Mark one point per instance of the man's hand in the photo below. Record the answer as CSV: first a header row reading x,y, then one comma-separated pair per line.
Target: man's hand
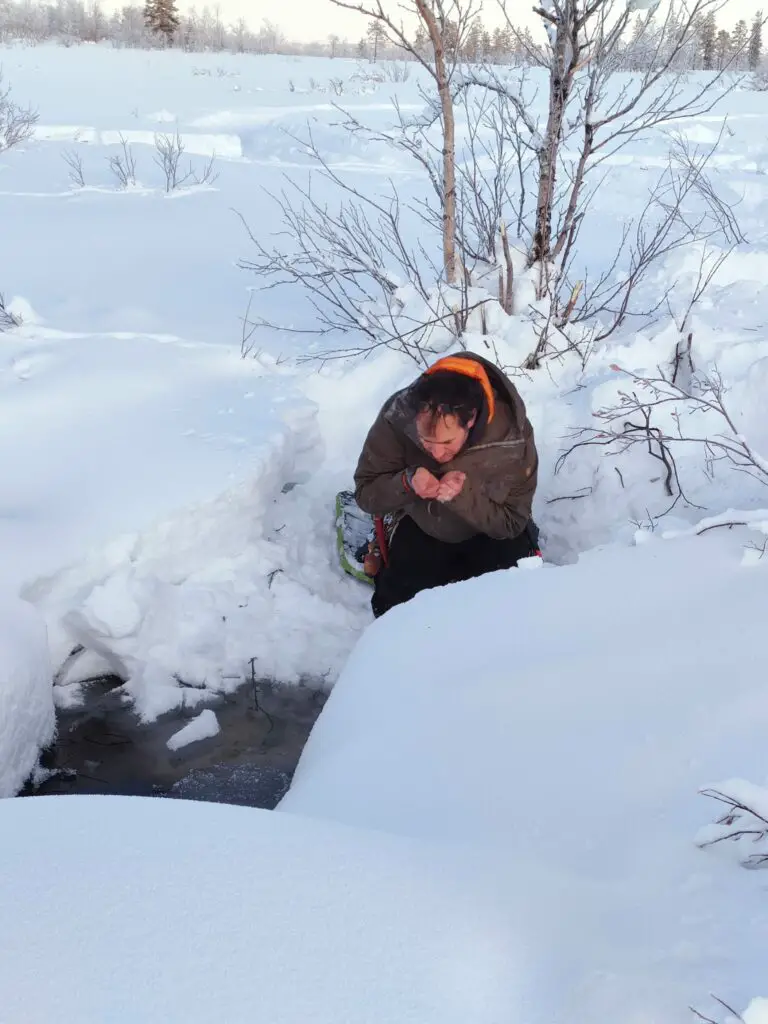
x,y
451,485
424,484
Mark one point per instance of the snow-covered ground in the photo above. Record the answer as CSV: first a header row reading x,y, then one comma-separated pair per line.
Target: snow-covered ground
x,y
143,503
534,740
560,723
26,699
234,914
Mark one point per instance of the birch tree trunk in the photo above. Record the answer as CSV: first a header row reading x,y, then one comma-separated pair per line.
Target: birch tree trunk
x,y
449,140
564,59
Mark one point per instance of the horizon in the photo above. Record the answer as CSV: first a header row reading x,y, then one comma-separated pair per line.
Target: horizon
x,y
320,19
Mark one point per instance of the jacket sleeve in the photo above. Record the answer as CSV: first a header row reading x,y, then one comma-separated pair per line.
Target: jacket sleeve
x,y
501,507
379,485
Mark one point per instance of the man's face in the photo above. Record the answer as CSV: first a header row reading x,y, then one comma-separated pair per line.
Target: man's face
x,y
442,437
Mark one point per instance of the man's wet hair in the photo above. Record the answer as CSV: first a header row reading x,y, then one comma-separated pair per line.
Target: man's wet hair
x,y
445,393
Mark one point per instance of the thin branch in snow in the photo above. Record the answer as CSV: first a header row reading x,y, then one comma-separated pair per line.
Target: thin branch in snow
x,y
17,124
123,164
733,1018
741,820
8,320
74,162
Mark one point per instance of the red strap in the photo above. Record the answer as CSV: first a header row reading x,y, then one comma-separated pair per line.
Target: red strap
x,y
381,537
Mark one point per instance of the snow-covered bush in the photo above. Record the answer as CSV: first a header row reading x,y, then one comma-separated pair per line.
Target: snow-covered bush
x,y
7,318
744,820
169,150
17,124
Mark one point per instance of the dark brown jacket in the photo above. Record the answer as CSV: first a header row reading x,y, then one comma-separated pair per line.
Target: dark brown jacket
x,y
499,459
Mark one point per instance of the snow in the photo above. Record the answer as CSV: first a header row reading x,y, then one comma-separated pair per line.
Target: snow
x,y
756,1012
561,724
509,772
201,727
234,914
158,525
26,696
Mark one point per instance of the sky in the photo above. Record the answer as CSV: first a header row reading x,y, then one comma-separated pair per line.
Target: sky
x,y
311,20
306,20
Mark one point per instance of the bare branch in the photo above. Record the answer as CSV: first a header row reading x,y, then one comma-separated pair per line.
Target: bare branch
x,y
74,162
620,429
8,320
17,124
123,165
738,822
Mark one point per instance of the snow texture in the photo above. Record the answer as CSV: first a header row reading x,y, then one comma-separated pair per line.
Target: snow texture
x,y
561,723
756,1012
509,770
147,501
26,693
235,914
201,727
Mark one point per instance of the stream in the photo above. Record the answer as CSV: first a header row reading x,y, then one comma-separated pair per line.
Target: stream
x,y
102,747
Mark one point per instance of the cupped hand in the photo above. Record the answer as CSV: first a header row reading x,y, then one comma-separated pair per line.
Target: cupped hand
x,y
425,484
451,485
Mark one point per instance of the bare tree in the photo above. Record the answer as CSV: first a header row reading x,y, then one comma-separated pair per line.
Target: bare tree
x,y
169,150
444,21
123,164
74,162
583,59
490,183
594,113
17,124
351,261
601,305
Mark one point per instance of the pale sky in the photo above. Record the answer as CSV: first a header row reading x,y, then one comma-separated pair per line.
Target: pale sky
x,y
312,20
306,20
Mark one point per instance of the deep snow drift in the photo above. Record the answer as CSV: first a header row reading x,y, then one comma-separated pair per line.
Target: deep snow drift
x,y
26,701
239,915
559,723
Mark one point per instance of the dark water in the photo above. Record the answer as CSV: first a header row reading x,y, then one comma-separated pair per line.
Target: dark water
x,y
103,748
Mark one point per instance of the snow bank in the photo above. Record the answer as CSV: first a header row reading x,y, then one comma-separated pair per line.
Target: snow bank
x,y
26,699
247,583
235,914
151,526
563,721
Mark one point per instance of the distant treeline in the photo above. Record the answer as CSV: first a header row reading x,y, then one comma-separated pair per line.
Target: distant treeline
x,y
158,23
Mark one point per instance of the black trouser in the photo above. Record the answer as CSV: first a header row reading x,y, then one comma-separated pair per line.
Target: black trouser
x,y
418,562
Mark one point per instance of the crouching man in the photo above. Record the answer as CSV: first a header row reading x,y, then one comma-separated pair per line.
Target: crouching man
x,y
453,458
